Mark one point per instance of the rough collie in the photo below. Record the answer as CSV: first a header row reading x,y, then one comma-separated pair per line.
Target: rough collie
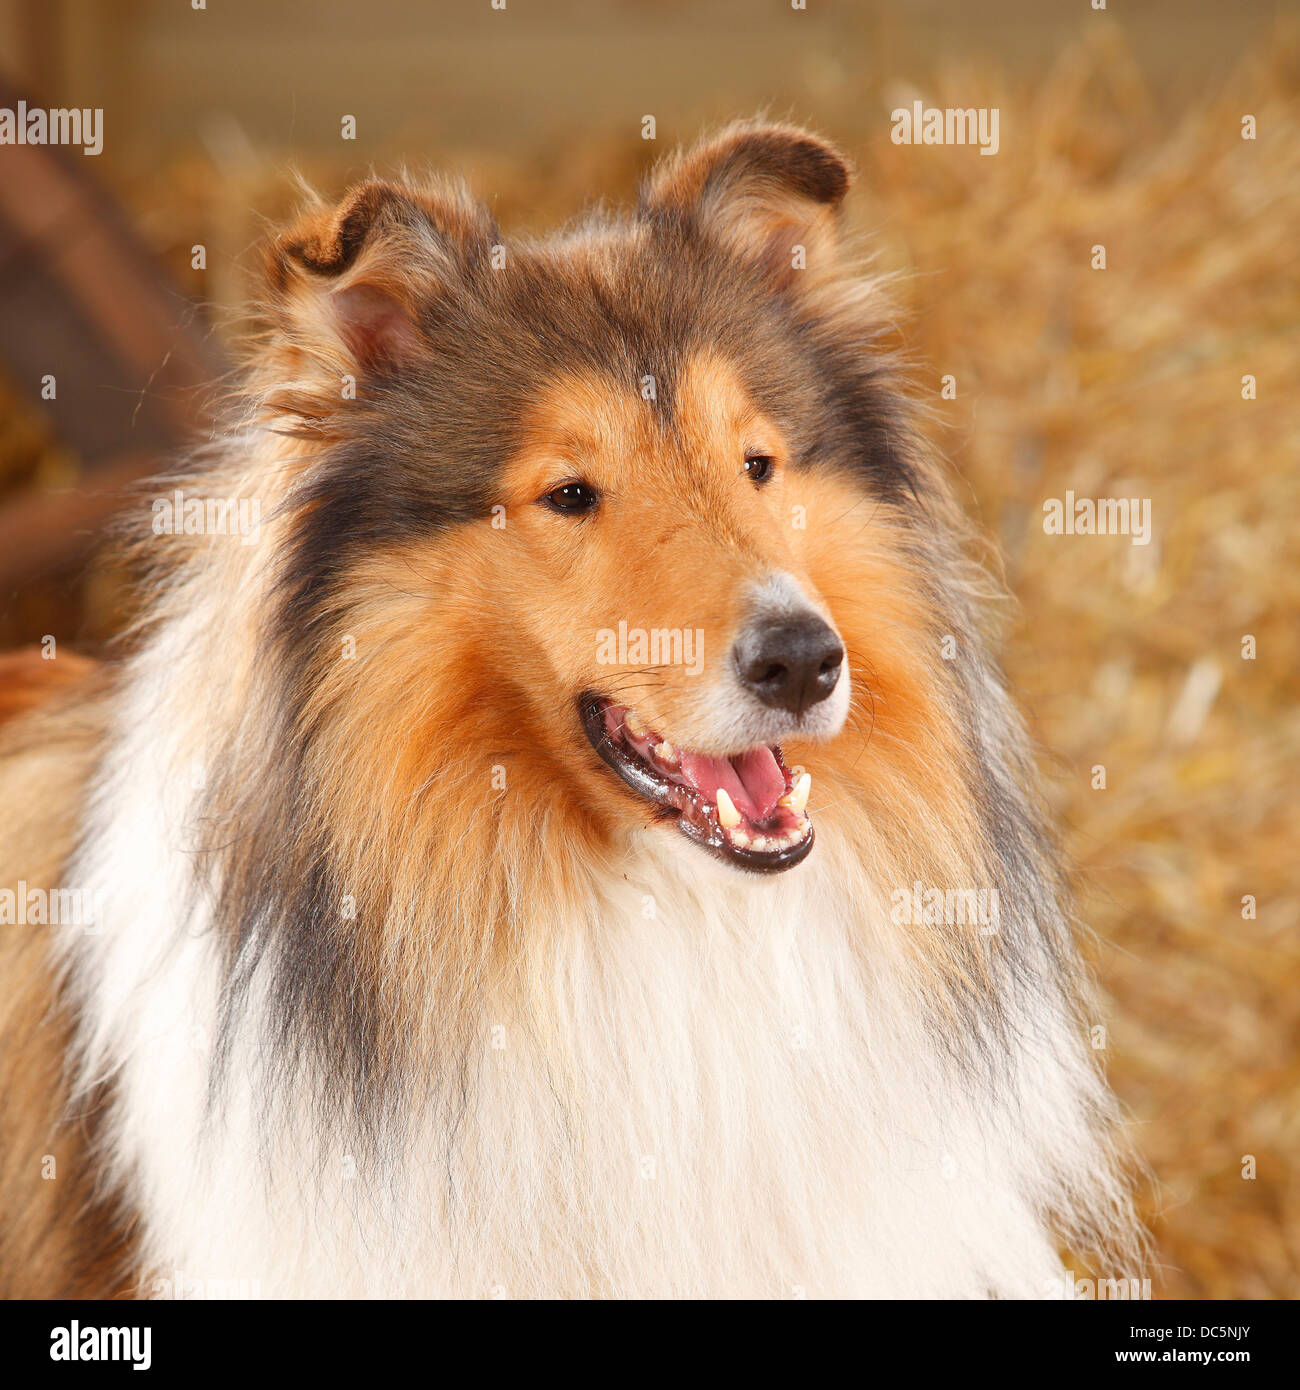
x,y
579,842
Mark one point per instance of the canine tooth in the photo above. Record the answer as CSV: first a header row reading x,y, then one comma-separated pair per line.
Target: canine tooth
x,y
797,800
728,816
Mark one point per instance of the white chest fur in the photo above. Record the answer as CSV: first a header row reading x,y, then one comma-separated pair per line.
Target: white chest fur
x,y
720,1086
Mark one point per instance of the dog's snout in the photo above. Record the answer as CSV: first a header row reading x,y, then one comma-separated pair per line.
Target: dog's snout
x,y
790,663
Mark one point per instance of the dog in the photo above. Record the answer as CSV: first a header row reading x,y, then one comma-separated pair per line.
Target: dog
x,y
582,845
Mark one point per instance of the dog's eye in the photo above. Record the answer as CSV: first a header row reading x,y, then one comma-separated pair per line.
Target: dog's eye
x,y
573,498
758,467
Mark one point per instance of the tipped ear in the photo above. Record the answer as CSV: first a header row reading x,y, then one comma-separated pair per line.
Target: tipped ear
x,y
351,282
763,191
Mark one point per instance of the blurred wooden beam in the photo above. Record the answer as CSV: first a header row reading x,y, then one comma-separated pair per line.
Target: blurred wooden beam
x,y
45,535
83,302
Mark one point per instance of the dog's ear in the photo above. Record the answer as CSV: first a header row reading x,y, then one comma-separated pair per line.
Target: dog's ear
x,y
769,193
350,283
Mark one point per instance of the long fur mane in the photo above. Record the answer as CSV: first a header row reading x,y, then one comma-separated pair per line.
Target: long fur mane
x,y
390,1004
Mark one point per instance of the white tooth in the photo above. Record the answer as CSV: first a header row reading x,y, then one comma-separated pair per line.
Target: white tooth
x,y
739,838
728,816
761,842
798,798
634,725
666,753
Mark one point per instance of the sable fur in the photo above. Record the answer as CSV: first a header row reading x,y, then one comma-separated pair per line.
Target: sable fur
x,y
64,1230
377,994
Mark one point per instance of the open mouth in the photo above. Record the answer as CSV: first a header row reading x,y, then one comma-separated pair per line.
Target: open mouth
x,y
748,809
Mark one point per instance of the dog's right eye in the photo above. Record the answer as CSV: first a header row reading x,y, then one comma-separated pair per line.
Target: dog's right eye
x,y
573,498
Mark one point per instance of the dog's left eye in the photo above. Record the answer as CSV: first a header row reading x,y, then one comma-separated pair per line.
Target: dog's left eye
x,y
758,467
573,498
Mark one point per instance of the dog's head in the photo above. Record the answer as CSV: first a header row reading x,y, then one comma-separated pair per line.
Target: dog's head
x,y
618,517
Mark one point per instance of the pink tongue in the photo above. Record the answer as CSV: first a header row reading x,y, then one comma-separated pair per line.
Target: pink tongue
x,y
754,781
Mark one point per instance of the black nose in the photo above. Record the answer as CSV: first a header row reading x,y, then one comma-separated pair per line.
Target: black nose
x,y
789,663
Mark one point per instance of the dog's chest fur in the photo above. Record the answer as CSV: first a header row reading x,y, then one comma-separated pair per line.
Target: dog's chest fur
x,y
715,1086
